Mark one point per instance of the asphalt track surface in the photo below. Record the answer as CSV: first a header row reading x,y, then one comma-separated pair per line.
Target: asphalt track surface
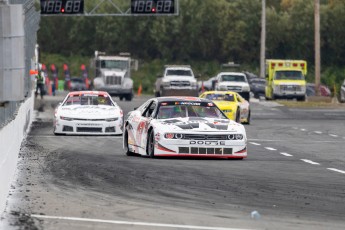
x,y
293,177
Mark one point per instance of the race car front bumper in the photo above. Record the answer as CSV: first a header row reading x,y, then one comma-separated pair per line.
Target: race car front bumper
x,y
88,127
202,148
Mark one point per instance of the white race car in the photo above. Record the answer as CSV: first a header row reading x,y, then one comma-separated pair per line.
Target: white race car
x,y
183,127
88,113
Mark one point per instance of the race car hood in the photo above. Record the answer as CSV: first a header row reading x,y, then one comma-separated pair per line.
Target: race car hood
x,y
197,124
178,78
89,111
225,104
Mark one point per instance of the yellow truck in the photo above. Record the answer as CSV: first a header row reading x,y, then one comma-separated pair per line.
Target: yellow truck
x,y
285,79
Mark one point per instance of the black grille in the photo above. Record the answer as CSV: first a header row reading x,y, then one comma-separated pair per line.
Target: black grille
x,y
113,80
89,129
67,128
180,83
110,129
81,119
235,88
206,151
204,137
290,88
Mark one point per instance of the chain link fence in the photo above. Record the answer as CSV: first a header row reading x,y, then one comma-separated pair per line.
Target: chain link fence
x,y
9,109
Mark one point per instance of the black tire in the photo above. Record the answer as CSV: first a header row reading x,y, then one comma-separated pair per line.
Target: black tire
x,y
151,145
238,116
248,119
121,98
129,97
125,142
301,98
157,94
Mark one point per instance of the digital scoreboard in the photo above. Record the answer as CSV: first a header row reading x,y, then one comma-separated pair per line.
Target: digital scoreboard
x,y
51,7
152,7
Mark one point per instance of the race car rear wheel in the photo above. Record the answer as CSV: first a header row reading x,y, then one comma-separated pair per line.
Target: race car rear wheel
x,y
151,144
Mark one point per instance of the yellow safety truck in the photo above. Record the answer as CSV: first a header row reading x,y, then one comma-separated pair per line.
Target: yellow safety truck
x,y
285,79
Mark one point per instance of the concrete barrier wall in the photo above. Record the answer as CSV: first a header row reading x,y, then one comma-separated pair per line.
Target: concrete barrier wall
x,y
11,137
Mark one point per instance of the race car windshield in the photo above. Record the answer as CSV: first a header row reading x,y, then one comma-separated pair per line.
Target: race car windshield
x,y
220,97
88,100
237,78
288,75
188,109
178,72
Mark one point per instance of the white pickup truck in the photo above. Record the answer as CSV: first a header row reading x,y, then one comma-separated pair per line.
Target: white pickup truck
x,y
233,81
177,80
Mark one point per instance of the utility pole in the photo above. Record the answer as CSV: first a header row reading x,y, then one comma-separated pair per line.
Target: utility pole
x,y
263,40
317,47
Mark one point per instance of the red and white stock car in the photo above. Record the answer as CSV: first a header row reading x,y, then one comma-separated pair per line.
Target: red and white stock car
x,y
88,113
183,127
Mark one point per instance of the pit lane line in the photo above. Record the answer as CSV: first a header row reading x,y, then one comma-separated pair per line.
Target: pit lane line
x,y
304,160
132,223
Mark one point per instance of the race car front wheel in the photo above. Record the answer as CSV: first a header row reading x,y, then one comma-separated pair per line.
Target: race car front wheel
x,y
238,116
125,141
151,144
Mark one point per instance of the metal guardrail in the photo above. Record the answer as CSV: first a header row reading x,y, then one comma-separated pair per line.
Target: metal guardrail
x,y
9,109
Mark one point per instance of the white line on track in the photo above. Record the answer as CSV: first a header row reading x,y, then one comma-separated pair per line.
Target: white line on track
x,y
269,148
336,170
333,135
310,162
318,132
254,143
303,130
286,154
133,223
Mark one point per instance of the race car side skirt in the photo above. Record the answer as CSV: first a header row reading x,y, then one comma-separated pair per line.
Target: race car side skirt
x,y
200,156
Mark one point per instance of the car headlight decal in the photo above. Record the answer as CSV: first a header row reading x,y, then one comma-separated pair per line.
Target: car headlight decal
x,y
169,136
66,118
235,136
112,119
179,136
173,136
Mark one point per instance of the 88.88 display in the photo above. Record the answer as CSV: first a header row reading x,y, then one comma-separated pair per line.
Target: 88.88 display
x,y
62,7
152,7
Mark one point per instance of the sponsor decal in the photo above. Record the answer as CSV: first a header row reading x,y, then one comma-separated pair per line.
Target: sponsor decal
x,y
187,103
210,143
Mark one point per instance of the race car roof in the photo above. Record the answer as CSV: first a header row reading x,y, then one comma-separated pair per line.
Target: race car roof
x,y
101,93
174,98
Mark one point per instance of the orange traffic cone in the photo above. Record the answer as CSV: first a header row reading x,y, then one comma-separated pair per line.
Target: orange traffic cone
x,y
140,89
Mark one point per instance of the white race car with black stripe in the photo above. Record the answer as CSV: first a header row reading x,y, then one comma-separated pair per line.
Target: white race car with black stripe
x,y
88,113
183,127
